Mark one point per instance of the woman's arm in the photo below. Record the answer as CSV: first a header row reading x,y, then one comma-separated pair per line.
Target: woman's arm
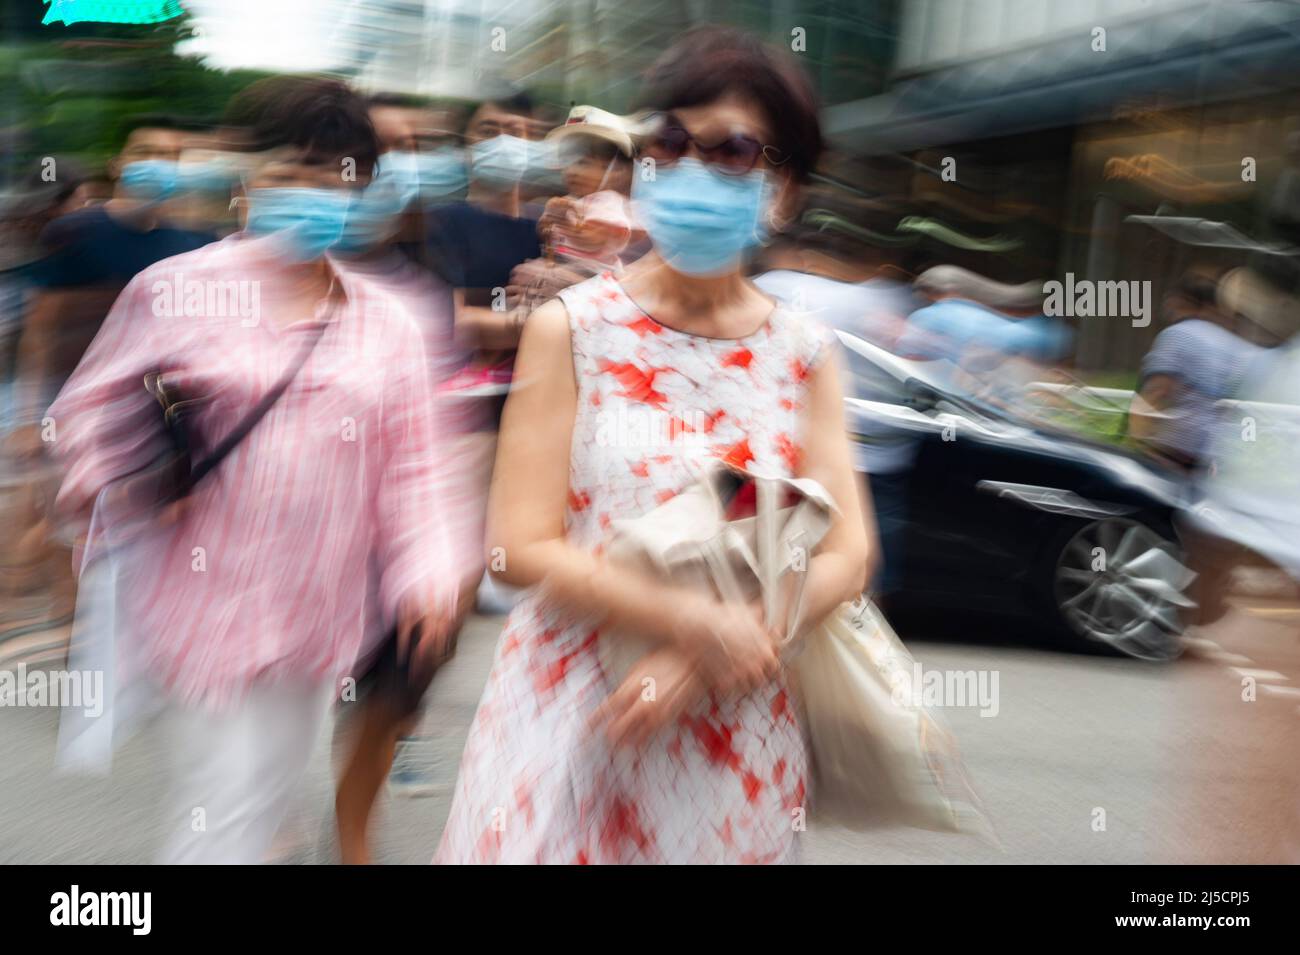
x,y
847,557
530,486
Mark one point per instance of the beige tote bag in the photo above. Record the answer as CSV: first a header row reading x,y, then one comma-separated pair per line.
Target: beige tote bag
x,y
878,757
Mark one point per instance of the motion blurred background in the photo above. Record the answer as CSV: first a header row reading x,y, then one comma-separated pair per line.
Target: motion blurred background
x,y
1055,143
1021,140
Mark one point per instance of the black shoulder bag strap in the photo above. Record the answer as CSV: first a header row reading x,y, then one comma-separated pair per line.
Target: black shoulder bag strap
x,y
250,420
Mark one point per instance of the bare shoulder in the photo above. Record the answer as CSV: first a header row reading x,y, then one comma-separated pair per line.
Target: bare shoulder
x,y
548,321
546,332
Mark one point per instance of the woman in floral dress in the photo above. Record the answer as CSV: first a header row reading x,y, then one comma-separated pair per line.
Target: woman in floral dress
x,y
623,387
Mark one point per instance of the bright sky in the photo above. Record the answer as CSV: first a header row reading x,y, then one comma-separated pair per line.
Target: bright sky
x,y
271,34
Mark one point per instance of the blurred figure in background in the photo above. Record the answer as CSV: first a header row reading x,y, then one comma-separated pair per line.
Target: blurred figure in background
x,y
561,766
36,588
251,599
851,287
383,241
90,255
994,334
95,251
476,243
590,226
974,322
427,155
1195,362
1243,451
585,231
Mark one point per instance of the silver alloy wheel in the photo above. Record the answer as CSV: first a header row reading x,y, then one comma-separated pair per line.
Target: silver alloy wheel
x,y
1119,582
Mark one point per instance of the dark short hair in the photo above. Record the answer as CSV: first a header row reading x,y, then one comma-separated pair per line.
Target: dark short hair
x,y
514,101
709,62
395,101
189,124
322,117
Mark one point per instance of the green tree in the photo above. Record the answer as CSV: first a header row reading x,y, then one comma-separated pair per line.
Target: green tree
x,y
70,90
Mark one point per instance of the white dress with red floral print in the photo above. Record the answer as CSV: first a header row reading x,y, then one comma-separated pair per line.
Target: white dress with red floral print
x,y
726,782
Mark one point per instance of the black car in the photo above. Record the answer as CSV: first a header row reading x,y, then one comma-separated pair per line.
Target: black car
x,y
1010,518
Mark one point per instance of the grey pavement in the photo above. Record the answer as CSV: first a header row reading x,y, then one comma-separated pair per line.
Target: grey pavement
x,y
1183,769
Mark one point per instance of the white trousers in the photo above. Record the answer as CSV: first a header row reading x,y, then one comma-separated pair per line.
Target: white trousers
x,y
235,772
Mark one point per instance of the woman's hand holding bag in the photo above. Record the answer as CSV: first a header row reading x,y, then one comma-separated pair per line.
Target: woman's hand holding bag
x,y
877,756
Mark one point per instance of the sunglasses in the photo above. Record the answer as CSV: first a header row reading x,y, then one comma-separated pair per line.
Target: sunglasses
x,y
735,155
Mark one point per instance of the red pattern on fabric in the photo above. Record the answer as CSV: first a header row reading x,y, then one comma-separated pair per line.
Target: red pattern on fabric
x,y
644,326
720,783
738,455
638,383
791,452
740,358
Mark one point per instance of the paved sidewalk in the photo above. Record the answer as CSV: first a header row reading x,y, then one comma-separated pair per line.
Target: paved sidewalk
x,y
1185,771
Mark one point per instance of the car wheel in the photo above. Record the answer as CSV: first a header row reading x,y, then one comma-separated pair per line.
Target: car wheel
x,y
1121,585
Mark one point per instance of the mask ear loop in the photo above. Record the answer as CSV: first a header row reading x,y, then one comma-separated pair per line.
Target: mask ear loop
x,y
237,201
609,167
240,202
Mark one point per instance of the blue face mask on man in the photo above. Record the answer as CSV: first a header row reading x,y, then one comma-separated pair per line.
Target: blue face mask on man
x,y
211,176
545,165
702,222
501,161
156,180
402,180
309,221
425,177
374,217
151,180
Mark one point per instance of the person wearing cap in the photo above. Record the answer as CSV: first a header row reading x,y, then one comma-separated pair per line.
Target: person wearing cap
x,y
1245,512
586,230
590,226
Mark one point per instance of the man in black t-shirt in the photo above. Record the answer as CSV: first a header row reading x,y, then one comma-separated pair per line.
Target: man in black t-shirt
x,y
478,247
476,243
96,246
92,253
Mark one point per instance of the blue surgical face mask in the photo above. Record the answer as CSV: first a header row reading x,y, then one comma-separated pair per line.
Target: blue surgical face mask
x,y
702,222
425,177
373,217
156,180
545,165
151,180
310,221
208,175
501,161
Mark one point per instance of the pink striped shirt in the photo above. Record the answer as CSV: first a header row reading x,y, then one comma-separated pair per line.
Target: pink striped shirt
x,y
265,578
